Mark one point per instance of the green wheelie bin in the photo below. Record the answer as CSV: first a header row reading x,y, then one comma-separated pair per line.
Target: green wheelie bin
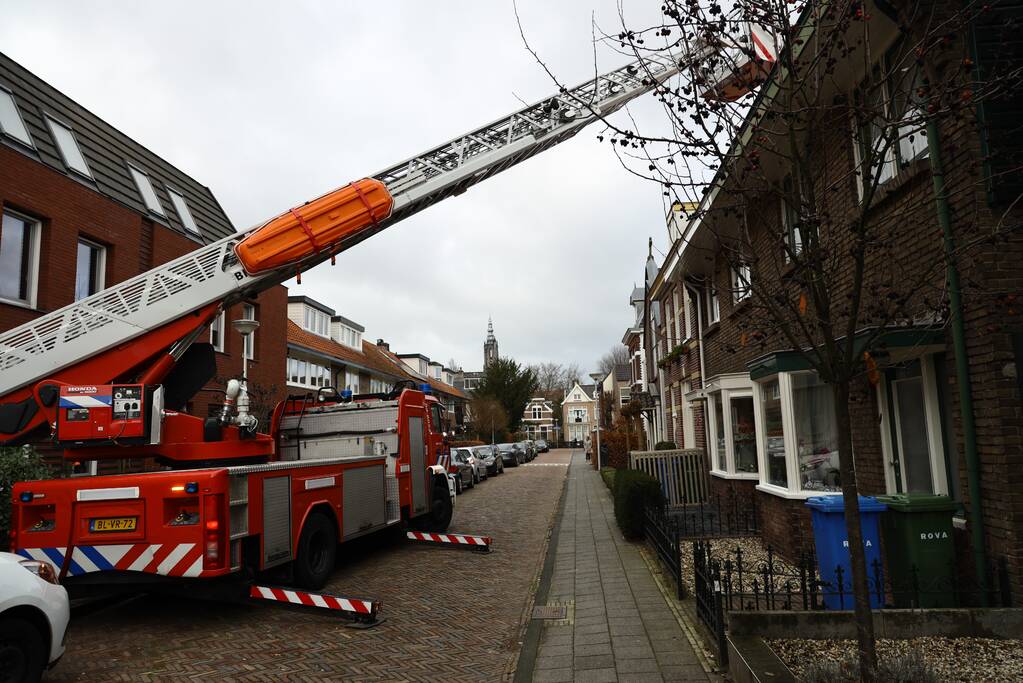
x,y
917,530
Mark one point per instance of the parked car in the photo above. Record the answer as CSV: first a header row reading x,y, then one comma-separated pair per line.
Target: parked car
x,y
541,445
34,613
511,454
461,470
527,450
532,448
492,459
479,470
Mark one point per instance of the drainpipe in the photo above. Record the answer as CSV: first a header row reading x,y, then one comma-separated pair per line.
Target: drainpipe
x,y
962,364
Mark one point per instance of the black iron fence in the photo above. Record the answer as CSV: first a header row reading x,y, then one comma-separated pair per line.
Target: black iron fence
x,y
662,532
717,517
734,581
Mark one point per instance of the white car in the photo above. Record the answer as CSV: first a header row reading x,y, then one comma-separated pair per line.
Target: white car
x,y
34,614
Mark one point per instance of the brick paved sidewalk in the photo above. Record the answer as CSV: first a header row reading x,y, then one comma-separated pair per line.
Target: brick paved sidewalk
x,y
622,628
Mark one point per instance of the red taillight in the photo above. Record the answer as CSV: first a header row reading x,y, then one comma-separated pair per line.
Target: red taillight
x,y
214,538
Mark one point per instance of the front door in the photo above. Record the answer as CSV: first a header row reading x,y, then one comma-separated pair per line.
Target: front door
x,y
914,421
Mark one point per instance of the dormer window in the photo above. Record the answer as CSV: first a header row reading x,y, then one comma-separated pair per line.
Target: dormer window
x,y
349,337
68,146
149,197
181,206
316,321
11,122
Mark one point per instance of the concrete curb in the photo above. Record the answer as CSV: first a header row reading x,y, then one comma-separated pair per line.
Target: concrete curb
x,y
524,664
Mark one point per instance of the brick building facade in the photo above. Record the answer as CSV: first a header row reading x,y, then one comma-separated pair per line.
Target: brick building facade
x,y
764,418
85,207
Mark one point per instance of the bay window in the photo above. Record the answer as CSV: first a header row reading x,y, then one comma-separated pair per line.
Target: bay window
x,y
799,442
774,435
732,426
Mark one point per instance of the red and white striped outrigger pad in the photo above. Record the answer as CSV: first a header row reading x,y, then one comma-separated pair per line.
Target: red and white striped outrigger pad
x,y
353,606
463,540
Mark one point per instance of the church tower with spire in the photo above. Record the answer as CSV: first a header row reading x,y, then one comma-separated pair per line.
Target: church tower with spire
x,y
490,345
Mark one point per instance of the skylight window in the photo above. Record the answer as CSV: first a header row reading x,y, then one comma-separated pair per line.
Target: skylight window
x,y
68,146
181,206
146,190
11,122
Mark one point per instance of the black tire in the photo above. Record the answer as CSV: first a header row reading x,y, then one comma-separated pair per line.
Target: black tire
x,y
316,553
458,485
22,651
441,509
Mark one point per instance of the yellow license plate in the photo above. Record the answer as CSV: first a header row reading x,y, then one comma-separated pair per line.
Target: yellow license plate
x,y
113,524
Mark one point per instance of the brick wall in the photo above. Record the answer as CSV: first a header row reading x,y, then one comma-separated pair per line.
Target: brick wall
x,y
68,210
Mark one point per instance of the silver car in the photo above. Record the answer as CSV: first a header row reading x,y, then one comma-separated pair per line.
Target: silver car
x,y
479,468
492,460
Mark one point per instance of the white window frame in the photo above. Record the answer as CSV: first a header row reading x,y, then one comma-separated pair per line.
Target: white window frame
x,y
935,433
793,490
316,321
219,321
687,321
35,228
54,124
101,265
713,303
27,140
249,340
741,291
893,161
180,204
793,236
352,380
139,177
722,389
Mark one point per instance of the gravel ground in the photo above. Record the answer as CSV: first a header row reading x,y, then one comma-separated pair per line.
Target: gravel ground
x,y
953,659
754,556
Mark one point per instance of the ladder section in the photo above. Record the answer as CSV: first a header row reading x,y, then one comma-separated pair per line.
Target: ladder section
x,y
213,274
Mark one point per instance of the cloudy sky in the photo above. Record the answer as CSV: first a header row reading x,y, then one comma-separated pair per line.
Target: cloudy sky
x,y
272,105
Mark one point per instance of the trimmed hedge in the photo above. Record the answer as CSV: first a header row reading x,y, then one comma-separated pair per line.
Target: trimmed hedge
x,y
665,446
634,491
608,475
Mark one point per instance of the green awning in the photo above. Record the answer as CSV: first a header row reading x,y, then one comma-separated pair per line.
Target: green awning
x,y
900,337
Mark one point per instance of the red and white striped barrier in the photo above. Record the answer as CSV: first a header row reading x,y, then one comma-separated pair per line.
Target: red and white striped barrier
x,y
361,609
480,543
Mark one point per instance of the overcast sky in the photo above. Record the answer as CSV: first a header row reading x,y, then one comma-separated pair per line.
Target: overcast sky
x,y
271,105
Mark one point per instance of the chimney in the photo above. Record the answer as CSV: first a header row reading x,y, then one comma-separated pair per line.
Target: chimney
x,y
384,345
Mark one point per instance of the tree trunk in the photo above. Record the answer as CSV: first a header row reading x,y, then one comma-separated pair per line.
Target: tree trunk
x,y
850,496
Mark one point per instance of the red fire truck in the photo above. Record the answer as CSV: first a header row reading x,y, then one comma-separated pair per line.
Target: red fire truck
x,y
109,376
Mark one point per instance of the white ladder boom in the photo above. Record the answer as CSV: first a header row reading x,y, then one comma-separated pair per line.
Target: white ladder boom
x,y
212,274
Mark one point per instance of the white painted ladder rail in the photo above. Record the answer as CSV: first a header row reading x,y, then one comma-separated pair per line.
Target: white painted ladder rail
x,y
212,274
682,473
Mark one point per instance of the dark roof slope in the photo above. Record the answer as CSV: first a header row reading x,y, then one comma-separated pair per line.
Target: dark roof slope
x,y
107,152
623,373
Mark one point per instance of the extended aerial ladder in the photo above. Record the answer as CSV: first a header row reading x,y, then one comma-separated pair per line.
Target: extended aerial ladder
x,y
139,329
111,372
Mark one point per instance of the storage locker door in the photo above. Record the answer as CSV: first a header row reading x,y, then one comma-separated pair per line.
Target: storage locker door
x,y
417,455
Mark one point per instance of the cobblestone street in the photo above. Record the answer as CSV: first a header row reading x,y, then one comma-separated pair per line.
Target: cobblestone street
x,y
451,615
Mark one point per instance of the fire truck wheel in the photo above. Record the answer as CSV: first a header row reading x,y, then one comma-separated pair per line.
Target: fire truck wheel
x,y
21,650
317,551
440,513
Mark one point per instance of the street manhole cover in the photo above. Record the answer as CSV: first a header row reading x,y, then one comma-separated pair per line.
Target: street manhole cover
x,y
550,612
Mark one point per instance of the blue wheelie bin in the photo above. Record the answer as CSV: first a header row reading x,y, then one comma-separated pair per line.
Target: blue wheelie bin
x,y
832,545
